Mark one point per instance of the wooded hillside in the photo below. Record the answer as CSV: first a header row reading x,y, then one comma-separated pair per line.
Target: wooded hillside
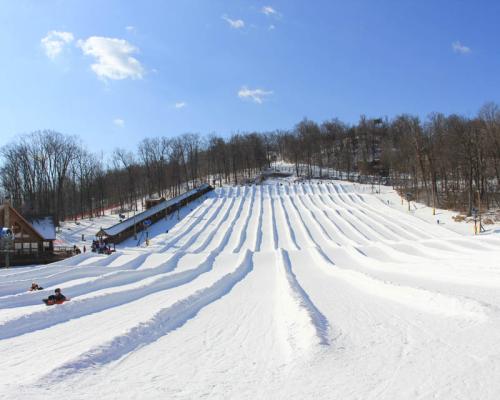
x,y
451,161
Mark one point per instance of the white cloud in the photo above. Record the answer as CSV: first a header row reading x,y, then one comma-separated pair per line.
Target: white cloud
x,y
130,28
268,10
234,23
256,95
55,41
460,48
180,104
119,122
113,56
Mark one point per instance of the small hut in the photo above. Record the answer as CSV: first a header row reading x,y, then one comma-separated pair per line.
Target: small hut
x,y
153,201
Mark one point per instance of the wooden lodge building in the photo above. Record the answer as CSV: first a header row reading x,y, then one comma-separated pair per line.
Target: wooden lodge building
x,y
158,209
27,242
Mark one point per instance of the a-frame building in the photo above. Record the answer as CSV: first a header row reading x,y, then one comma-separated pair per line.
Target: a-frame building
x,y
29,245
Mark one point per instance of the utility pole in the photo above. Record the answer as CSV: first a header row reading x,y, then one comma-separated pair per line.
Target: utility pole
x,y
6,244
7,256
479,209
474,214
135,229
433,199
7,240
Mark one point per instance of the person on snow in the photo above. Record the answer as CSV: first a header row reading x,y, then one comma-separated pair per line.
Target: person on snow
x,y
58,296
34,286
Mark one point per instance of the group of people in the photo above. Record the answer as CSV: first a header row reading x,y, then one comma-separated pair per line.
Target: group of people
x,y
101,246
56,298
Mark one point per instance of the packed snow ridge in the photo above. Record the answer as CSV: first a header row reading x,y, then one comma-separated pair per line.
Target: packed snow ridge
x,y
284,291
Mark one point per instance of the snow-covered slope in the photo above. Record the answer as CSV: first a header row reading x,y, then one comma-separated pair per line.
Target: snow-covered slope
x,y
283,291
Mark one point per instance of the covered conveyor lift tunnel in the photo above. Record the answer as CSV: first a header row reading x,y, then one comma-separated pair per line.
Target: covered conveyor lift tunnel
x,y
137,223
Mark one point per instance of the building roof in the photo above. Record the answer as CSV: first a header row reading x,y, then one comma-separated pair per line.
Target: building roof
x,y
45,227
124,225
23,220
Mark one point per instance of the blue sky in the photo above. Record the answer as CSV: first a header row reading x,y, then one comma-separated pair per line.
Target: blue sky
x,y
114,72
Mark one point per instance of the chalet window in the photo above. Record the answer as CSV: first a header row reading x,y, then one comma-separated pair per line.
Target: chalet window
x,y
18,246
34,246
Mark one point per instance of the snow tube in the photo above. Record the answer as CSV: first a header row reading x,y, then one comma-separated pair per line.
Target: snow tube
x,y
53,302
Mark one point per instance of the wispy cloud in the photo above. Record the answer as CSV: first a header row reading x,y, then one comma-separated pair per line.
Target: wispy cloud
x,y
460,48
268,10
55,41
119,122
180,104
256,95
234,23
113,58
130,28
272,27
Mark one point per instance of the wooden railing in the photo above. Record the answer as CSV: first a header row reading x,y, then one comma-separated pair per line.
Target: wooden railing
x,y
18,257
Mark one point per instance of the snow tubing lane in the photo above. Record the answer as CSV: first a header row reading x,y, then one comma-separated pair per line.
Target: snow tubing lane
x,y
165,321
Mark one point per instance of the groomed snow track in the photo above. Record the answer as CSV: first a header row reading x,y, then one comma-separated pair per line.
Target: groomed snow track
x,y
284,291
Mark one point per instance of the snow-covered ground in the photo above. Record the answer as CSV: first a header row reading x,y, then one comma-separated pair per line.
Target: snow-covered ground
x,y
70,232
279,291
424,212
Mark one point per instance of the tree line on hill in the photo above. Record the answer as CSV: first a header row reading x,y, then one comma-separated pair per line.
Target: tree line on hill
x,y
450,161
